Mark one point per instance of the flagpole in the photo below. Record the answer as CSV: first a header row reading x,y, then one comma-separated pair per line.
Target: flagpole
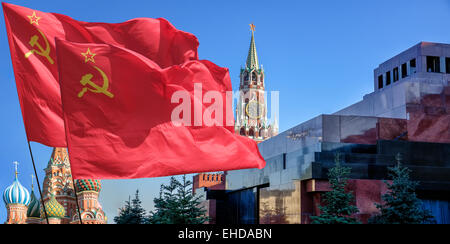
x,y
76,198
37,180
73,182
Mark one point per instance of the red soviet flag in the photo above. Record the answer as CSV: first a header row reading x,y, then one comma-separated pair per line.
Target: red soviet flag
x,y
119,116
31,36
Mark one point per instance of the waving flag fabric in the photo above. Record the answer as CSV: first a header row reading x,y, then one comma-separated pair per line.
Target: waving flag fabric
x,y
118,109
31,36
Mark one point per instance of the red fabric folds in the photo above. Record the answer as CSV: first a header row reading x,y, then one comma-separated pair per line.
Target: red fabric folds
x,y
118,116
31,36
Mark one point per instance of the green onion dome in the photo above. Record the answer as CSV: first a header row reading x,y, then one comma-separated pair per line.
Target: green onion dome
x,y
53,208
88,185
34,207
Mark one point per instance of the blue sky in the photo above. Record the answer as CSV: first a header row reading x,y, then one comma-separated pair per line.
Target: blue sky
x,y
319,54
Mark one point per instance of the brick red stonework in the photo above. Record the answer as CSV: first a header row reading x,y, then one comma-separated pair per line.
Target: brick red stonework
x,y
210,181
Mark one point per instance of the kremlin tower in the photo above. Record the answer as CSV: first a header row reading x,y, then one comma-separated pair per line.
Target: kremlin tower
x,y
251,114
59,197
251,109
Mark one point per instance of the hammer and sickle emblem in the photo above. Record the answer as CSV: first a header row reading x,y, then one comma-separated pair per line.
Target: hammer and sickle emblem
x,y
86,80
42,52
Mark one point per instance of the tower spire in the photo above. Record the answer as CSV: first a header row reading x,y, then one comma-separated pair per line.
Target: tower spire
x,y
252,59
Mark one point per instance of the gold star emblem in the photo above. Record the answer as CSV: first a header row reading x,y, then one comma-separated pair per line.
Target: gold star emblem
x,y
33,18
88,56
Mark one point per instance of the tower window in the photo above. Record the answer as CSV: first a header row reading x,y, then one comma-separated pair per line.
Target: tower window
x,y
433,64
251,133
380,81
404,70
284,160
395,73
447,65
246,77
388,78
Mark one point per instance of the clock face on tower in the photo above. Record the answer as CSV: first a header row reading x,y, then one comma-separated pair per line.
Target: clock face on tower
x,y
254,109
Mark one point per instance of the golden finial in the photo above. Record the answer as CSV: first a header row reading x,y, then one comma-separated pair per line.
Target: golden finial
x,y
252,27
15,168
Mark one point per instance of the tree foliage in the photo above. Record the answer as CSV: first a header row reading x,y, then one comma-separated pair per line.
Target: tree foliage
x,y
400,203
132,212
177,205
337,207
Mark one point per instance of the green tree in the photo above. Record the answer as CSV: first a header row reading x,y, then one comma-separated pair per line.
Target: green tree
x,y
400,203
124,213
177,205
132,212
164,204
338,205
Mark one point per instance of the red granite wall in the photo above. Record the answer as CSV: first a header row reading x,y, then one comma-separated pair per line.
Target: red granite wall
x,y
390,129
305,197
429,121
366,192
383,129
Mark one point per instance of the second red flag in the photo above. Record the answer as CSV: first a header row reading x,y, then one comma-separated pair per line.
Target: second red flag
x,y
119,111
